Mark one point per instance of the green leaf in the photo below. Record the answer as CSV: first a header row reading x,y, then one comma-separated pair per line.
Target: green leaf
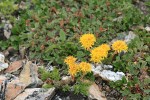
x,y
62,35
55,74
47,86
80,54
148,59
147,91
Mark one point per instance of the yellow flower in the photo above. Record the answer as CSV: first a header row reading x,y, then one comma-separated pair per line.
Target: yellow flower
x,y
87,40
96,58
70,60
85,67
119,46
105,47
73,69
99,53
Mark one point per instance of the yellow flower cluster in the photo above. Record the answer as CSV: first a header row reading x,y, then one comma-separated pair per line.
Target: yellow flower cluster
x,y
85,67
70,60
119,46
87,40
74,67
99,53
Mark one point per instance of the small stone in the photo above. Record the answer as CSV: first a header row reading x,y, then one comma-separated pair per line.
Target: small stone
x,y
49,67
118,19
2,18
111,76
14,66
147,29
2,58
6,27
129,37
7,33
95,93
66,79
22,5
22,51
9,51
29,75
98,68
14,58
3,66
3,21
125,36
10,26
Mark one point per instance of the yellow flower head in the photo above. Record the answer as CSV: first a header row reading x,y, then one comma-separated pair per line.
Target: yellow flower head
x,y
99,53
87,40
70,60
73,69
106,47
85,67
119,46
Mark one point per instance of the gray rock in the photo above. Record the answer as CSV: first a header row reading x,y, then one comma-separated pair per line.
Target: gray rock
x,y
14,58
22,5
22,51
10,26
3,65
10,87
3,21
129,37
36,94
105,72
14,88
147,29
7,27
66,79
49,67
26,93
2,58
111,76
7,33
118,19
95,93
126,36
98,68
29,75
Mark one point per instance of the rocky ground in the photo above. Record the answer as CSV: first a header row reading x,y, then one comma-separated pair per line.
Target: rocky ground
x,y
19,78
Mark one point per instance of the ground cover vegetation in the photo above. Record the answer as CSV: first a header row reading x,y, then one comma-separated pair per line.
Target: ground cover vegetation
x,y
51,30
